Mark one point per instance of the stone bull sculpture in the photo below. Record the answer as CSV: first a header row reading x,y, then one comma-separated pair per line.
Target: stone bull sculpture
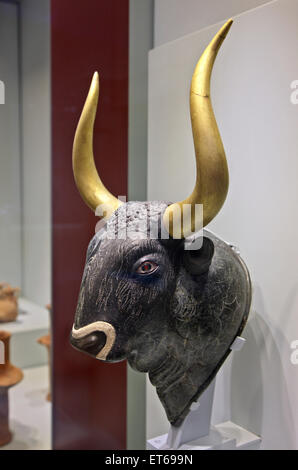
x,y
170,311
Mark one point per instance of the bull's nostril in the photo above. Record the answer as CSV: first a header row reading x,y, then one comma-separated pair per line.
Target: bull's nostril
x,y
89,341
91,344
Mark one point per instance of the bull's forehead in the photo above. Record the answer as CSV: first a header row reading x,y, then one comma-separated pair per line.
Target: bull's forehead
x,y
135,220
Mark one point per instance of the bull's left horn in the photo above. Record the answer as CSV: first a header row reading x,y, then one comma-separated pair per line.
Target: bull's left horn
x,y
90,186
212,178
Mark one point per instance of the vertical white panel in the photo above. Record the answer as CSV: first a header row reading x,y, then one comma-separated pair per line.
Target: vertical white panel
x,y
10,213
140,41
258,386
36,149
176,18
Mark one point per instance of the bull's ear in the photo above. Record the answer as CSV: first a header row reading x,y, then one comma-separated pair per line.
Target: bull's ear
x,y
197,262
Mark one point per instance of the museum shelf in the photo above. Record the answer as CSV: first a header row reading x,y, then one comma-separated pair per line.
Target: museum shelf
x,y
224,436
30,412
31,323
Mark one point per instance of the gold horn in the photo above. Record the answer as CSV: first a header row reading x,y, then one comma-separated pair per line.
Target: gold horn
x,y
90,186
212,179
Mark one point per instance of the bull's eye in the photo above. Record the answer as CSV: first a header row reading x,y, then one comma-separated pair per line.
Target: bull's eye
x,y
147,267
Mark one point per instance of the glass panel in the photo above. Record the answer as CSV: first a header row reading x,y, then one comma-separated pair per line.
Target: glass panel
x,y
25,254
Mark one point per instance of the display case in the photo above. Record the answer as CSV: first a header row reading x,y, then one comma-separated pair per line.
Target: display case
x,y
25,214
110,105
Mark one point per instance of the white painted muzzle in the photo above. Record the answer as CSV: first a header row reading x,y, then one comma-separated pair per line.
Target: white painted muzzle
x,y
102,326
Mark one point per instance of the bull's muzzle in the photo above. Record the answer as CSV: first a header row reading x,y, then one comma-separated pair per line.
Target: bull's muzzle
x,y
96,339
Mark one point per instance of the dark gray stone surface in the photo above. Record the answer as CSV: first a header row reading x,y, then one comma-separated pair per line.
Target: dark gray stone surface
x,y
177,322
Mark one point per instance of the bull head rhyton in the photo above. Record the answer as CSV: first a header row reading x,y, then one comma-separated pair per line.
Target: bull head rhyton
x,y
171,312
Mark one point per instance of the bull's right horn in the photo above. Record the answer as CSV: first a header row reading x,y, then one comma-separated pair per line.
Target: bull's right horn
x,y
90,186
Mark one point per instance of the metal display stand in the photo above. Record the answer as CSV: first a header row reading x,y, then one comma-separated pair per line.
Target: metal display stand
x,y
196,433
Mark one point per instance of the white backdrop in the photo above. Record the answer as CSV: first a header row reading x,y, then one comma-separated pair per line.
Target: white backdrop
x,y
175,18
36,149
258,387
10,162
25,152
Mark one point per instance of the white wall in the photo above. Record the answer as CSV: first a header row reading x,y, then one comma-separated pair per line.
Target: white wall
x,y
257,387
25,153
10,205
176,18
140,42
36,149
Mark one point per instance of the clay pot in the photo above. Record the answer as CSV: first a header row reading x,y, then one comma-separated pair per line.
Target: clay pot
x,y
46,341
8,303
9,376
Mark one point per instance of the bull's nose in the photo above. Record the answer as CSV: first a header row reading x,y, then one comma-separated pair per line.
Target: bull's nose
x,y
91,344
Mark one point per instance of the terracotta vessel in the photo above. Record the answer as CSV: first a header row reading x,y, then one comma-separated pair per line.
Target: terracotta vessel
x,y
46,341
9,376
8,303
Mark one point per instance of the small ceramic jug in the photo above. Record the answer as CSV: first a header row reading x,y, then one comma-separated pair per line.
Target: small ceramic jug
x,y
8,303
